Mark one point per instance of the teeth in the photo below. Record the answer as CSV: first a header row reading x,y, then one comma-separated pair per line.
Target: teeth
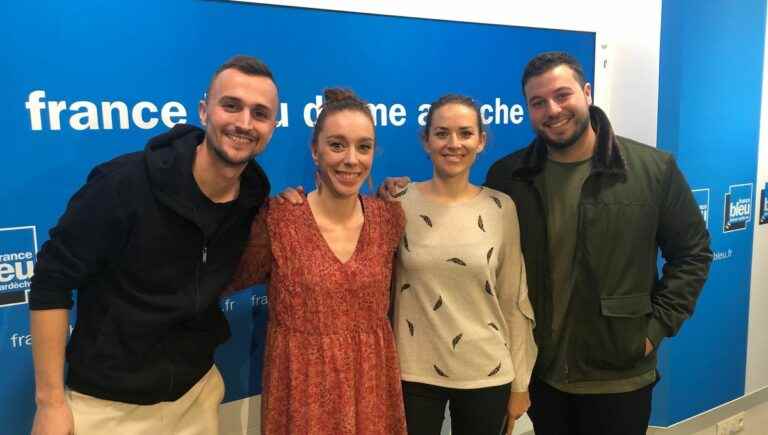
x,y
558,123
240,139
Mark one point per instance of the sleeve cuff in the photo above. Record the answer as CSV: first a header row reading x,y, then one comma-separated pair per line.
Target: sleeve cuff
x,y
656,333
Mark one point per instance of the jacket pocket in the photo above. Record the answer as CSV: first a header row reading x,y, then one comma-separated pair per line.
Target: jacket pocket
x,y
616,339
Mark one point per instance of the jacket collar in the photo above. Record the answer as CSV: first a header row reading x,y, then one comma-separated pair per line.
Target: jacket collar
x,y
607,158
169,158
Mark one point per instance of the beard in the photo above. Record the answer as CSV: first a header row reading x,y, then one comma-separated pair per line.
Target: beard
x,y
581,127
216,149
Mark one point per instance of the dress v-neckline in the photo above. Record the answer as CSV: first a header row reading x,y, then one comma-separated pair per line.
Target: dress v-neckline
x,y
324,242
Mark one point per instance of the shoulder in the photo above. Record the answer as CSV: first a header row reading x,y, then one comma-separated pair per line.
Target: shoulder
x,y
381,208
509,162
634,150
501,200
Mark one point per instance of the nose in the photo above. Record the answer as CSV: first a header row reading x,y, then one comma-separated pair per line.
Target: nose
x,y
351,157
453,140
553,108
245,120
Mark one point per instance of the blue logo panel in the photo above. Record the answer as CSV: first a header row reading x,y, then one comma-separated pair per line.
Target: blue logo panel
x,y
764,205
737,212
702,199
18,248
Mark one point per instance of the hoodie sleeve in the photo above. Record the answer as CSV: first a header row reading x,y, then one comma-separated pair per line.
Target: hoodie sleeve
x,y
90,232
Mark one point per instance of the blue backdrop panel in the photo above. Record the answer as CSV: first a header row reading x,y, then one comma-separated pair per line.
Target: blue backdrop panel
x,y
702,73
150,62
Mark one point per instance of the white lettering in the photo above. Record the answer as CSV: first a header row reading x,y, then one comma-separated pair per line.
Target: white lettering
x,y
88,120
171,110
312,110
106,114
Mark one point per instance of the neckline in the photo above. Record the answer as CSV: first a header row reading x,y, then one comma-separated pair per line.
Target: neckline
x,y
426,199
324,242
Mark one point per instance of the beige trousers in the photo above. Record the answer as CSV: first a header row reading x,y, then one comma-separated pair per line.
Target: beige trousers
x,y
194,413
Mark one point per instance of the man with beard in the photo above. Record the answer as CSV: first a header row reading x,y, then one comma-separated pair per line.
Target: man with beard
x,y
149,241
593,210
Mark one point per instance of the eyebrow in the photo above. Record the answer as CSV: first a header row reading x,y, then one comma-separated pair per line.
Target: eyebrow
x,y
344,138
236,99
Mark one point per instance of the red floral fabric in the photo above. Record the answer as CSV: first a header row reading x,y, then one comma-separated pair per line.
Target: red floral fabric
x,y
330,366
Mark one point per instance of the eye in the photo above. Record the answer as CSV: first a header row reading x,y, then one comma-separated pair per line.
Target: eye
x,y
442,134
563,96
466,134
537,104
365,148
260,114
230,106
336,146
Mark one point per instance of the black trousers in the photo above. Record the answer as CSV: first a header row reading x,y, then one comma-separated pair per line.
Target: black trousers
x,y
554,412
479,411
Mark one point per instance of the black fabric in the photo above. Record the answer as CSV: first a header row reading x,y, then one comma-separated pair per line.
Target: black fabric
x,y
478,411
148,278
554,412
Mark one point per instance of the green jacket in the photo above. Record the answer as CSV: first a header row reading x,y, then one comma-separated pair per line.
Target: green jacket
x,y
634,202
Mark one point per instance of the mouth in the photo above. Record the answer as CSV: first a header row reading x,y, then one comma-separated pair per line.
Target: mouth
x,y
558,122
241,139
348,177
453,157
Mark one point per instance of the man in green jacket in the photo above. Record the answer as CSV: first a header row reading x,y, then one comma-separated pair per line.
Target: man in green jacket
x,y
593,209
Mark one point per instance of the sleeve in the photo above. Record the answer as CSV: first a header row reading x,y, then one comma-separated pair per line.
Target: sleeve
x,y
684,242
88,235
394,222
256,261
514,302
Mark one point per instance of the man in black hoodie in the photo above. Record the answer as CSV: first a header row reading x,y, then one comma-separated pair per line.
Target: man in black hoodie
x,y
149,241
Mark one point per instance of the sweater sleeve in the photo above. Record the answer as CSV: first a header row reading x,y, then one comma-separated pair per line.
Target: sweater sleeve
x,y
256,261
514,302
91,231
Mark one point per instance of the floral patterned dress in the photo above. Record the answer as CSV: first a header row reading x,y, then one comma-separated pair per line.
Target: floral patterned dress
x,y
330,365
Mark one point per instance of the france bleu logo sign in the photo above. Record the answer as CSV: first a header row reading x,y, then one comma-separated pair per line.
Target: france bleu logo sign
x,y
764,205
737,212
18,249
702,199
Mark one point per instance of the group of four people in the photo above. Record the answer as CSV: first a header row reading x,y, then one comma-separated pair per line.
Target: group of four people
x,y
565,232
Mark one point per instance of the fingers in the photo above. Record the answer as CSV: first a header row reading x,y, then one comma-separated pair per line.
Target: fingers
x,y
291,195
510,426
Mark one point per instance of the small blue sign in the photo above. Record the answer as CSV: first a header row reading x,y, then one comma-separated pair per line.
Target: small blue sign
x,y
737,212
18,249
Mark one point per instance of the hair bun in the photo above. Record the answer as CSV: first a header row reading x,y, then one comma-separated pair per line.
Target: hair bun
x,y
332,95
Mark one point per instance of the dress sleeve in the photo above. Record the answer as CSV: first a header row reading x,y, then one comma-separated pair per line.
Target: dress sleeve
x,y
514,302
394,223
256,261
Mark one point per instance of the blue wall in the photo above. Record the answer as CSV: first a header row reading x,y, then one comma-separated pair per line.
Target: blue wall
x,y
164,52
709,117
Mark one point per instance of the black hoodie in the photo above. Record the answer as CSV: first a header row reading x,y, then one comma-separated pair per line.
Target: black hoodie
x,y
148,279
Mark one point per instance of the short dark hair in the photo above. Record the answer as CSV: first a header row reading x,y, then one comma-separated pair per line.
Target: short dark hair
x,y
451,99
245,64
550,60
337,100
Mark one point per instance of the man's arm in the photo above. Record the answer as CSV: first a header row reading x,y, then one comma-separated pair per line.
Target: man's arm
x,y
49,329
684,242
89,232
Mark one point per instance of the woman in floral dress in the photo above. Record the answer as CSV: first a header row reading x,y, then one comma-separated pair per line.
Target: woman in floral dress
x,y
330,364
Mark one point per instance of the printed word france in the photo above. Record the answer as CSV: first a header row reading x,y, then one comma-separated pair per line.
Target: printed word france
x,y
87,115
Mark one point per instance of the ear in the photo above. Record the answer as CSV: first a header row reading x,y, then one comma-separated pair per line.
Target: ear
x,y
588,93
313,151
202,112
483,140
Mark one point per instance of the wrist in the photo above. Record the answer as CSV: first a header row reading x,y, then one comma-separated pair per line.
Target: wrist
x,y
50,397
